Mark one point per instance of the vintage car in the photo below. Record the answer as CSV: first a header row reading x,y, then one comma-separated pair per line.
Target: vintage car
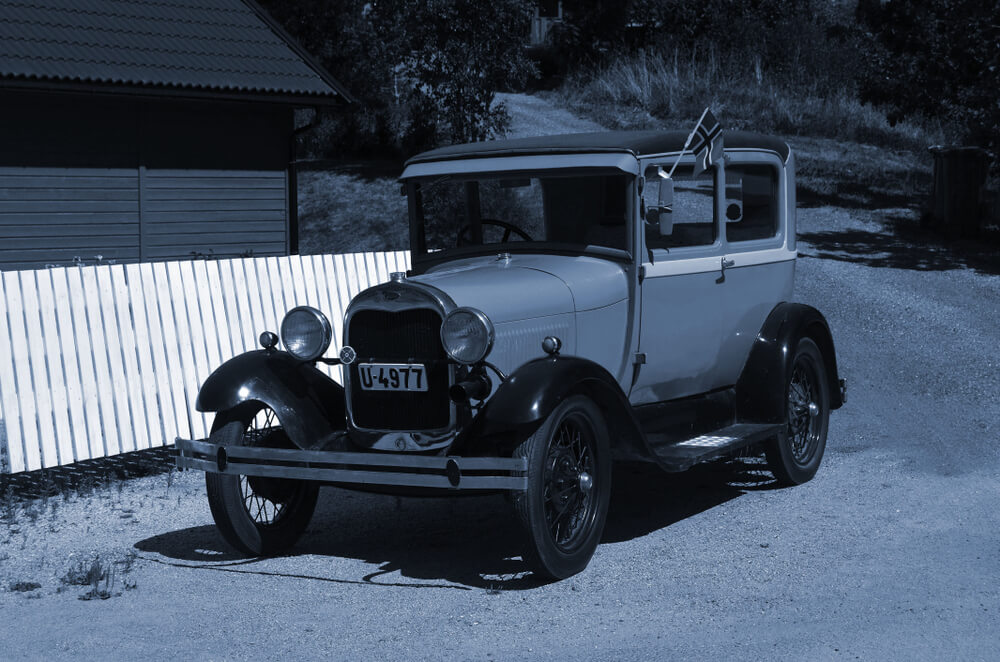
x,y
573,301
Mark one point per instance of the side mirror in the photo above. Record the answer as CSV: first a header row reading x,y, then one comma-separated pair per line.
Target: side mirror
x,y
665,204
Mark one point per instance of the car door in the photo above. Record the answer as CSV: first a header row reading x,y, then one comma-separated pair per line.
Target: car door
x,y
759,253
680,294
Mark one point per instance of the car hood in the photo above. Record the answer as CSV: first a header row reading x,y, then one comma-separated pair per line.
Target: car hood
x,y
530,286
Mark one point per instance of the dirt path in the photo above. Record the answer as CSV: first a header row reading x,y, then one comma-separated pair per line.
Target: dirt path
x,y
891,552
534,116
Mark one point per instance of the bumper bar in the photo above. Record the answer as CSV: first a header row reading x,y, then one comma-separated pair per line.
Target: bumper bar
x,y
445,472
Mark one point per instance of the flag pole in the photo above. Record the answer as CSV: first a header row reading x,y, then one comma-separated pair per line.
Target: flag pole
x,y
687,143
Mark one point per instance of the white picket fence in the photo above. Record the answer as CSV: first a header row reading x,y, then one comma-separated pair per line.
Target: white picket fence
x,y
101,360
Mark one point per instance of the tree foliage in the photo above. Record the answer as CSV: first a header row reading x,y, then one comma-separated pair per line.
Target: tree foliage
x,y
452,58
796,41
938,58
424,72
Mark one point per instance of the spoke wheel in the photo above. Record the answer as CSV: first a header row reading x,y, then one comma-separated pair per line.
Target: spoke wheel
x,y
795,456
569,484
256,515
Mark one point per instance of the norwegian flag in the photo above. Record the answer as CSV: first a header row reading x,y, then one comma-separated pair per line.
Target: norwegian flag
x,y
707,137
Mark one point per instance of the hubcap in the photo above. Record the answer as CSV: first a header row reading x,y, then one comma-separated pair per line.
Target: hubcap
x,y
570,498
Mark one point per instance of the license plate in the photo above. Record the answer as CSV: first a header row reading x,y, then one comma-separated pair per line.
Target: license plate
x,y
392,376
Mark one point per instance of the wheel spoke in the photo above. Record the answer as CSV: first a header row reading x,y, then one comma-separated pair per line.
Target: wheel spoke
x,y
566,504
802,423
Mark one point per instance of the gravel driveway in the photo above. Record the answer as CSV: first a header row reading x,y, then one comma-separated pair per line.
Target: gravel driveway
x,y
891,552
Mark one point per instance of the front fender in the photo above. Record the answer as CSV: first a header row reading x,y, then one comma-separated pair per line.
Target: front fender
x,y
534,390
760,391
309,405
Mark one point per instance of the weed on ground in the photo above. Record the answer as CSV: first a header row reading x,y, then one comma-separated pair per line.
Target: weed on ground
x,y
102,576
24,587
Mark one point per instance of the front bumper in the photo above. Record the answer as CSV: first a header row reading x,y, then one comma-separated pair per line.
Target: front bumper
x,y
396,469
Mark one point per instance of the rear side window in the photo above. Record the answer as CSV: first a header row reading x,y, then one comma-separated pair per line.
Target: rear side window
x,y
693,210
751,202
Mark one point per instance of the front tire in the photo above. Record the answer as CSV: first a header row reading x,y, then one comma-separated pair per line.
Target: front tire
x,y
794,456
257,516
564,509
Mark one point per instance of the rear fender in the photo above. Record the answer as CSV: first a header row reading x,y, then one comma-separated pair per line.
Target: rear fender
x,y
760,391
309,405
533,391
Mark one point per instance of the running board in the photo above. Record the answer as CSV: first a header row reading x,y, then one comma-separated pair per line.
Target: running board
x,y
681,455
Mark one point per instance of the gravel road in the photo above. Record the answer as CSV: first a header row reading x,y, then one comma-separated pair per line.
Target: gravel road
x,y
891,552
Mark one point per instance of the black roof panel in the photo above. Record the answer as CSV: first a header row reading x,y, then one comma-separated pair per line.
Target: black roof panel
x,y
638,143
209,46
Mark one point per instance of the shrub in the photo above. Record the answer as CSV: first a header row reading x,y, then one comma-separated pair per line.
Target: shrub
x,y
453,56
422,71
937,58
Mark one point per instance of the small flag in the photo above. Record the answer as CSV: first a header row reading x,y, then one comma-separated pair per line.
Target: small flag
x,y
707,147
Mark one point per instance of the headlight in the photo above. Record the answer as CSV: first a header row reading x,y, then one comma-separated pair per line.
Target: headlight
x,y
306,333
467,335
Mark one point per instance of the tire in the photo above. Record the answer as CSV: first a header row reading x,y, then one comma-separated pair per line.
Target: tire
x,y
794,456
570,453
257,516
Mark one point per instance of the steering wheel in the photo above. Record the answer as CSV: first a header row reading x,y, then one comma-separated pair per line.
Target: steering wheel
x,y
463,232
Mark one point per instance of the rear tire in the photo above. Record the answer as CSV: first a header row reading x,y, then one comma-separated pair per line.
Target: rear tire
x,y
795,455
564,509
257,516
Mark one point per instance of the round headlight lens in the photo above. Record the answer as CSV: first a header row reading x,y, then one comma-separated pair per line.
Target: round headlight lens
x,y
306,333
467,335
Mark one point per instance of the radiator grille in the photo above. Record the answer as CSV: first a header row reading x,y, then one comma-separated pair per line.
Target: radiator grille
x,y
399,337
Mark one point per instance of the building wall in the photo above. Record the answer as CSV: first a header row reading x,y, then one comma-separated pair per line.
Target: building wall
x,y
132,179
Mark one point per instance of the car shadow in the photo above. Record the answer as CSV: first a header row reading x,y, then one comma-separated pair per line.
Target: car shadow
x,y
458,543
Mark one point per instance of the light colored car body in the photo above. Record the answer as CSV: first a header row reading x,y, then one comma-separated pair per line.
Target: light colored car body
x,y
674,310
573,300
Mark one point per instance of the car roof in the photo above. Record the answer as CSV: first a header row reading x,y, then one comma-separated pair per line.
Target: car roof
x,y
637,143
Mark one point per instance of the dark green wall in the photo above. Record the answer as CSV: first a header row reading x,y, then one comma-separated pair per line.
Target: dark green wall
x,y
133,179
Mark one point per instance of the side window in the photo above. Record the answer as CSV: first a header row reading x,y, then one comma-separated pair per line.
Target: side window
x,y
751,202
693,209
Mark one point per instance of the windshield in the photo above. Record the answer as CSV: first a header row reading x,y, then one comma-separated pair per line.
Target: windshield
x,y
522,211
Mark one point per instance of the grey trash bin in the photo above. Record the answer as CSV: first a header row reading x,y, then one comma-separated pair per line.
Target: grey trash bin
x,y
959,177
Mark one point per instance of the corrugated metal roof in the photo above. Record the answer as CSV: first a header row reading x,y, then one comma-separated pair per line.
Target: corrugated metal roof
x,y
207,45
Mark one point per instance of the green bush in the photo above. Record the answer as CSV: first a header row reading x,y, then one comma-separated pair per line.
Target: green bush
x,y
423,71
936,58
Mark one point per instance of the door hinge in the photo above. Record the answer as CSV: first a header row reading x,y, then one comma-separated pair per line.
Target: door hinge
x,y
640,359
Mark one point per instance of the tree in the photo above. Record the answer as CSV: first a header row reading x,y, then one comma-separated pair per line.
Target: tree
x,y
422,71
451,57
938,58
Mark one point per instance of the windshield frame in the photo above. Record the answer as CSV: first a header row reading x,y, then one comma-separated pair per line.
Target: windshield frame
x,y
421,260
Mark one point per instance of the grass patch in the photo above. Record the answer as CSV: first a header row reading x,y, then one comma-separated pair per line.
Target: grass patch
x,y
650,91
343,212
24,587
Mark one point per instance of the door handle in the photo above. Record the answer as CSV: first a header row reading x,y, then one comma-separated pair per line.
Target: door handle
x,y
725,265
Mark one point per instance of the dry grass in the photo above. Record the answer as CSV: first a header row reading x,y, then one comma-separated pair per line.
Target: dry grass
x,y
648,91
